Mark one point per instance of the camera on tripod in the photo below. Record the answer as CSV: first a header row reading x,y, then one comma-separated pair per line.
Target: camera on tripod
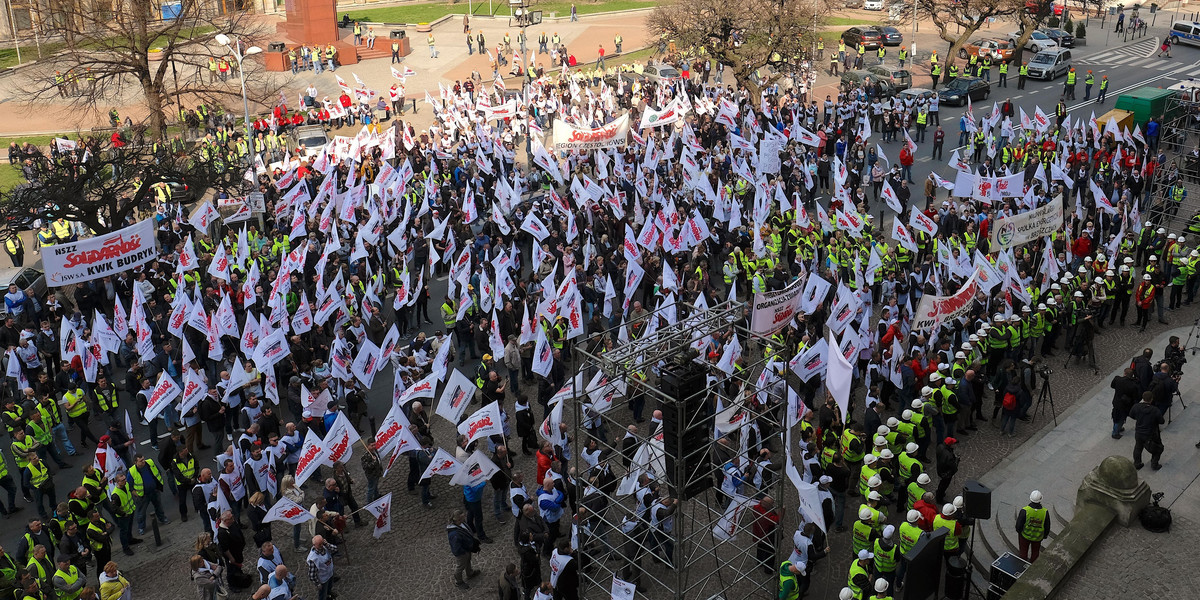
x,y
1045,371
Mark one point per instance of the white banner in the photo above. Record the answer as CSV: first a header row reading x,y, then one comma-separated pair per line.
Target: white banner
x,y
774,310
940,309
728,525
570,137
100,256
1026,227
289,512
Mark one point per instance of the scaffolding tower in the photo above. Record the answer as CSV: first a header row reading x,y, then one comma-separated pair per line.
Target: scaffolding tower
x,y
660,363
1179,139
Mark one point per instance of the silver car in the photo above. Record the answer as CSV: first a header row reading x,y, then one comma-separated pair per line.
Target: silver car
x,y
25,278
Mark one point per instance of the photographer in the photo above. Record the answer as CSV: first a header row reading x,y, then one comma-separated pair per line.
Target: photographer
x,y
1164,386
1174,355
1126,392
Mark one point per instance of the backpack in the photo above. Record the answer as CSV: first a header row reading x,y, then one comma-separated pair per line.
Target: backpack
x,y
1010,401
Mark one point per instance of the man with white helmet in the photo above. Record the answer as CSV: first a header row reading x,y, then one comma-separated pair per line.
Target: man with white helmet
x,y
921,425
946,520
865,474
862,532
908,533
859,579
852,448
1033,525
881,588
793,581
917,489
886,557
1144,297
910,465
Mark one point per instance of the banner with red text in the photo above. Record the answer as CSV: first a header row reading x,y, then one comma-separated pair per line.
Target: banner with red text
x,y
100,256
940,309
571,137
773,310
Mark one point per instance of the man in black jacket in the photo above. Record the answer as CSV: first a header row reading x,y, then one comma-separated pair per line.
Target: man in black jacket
x,y
1126,392
947,466
1146,418
1143,369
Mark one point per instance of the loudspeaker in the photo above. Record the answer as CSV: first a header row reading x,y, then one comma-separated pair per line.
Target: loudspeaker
x,y
924,571
977,500
276,47
687,428
397,34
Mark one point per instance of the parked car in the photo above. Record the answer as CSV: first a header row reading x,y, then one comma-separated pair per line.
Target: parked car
x,y
312,138
181,192
960,88
1038,41
660,73
25,278
872,4
1050,64
915,94
853,79
997,48
1060,36
891,36
869,36
1185,32
901,78
854,3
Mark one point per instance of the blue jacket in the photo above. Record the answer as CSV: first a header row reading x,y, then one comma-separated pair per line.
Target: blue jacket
x,y
461,540
474,493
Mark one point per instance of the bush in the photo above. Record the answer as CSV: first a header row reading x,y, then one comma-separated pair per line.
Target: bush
x,y
1068,25
1080,30
1052,21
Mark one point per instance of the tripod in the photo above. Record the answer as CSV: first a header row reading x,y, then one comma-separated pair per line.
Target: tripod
x,y
1046,397
1187,345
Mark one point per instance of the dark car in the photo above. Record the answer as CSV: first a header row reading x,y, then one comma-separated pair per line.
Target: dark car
x,y
891,36
1064,39
960,88
869,36
180,192
901,78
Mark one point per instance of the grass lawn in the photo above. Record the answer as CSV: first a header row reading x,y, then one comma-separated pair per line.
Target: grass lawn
x,y
8,55
10,177
847,21
432,11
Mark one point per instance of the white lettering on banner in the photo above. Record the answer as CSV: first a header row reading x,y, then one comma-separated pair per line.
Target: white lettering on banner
x,y
570,137
1027,226
773,310
939,309
100,256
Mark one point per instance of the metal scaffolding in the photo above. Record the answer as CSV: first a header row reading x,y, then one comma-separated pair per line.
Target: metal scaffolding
x,y
1180,137
703,565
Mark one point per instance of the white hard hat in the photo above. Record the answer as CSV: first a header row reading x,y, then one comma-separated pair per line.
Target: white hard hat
x,y
1128,260
882,430
923,479
1100,281
1051,302
1161,230
1170,236
966,346
1153,258
907,415
935,376
892,423
1055,287
1148,224
948,509
886,454
869,459
911,447
1041,307
1124,268
864,513
1035,496
958,502
1078,294
1014,319
998,318
1109,272
950,381
960,355
914,516
846,594
973,338
874,496
1182,238
881,585
1147,277
1082,269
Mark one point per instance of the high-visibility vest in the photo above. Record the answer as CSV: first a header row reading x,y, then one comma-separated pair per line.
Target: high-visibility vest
x,y
855,570
124,501
70,576
940,522
786,575
1035,524
1023,71
13,244
847,438
909,535
1071,77
885,559
186,469
860,536
38,474
101,530
44,567
61,230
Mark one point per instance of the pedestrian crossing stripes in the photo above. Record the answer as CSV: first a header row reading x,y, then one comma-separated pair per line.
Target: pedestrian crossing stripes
x,y
1137,52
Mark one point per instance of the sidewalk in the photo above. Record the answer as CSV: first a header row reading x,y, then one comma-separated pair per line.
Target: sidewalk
x,y
1056,461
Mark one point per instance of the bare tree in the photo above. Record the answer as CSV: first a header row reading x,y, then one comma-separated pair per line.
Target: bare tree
x,y
744,36
957,21
101,185
118,48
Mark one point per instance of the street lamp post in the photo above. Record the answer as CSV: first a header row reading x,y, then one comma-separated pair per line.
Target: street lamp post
x,y
238,55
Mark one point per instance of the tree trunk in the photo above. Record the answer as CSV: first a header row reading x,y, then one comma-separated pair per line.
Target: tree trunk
x,y
154,102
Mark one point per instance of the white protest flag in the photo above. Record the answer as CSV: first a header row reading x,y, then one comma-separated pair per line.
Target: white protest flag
x,y
443,463
476,469
839,373
381,509
456,396
164,392
484,422
728,525
543,354
312,455
395,433
288,512
340,440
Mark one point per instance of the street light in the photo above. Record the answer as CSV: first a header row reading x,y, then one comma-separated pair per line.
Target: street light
x,y
238,55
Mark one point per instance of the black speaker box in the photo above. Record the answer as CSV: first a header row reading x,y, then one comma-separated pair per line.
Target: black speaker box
x,y
977,500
